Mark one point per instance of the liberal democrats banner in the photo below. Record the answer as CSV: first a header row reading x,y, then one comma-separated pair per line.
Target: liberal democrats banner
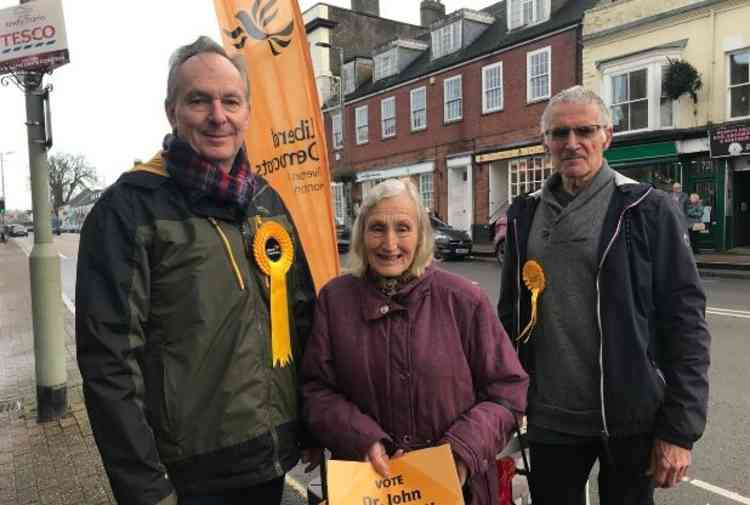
x,y
286,141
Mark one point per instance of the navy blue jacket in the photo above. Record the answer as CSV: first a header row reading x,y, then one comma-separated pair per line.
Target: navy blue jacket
x,y
653,336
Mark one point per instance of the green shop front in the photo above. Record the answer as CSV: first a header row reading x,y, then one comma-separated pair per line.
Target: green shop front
x,y
689,163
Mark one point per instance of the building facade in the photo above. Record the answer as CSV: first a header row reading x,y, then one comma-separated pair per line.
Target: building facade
x,y
633,55
457,107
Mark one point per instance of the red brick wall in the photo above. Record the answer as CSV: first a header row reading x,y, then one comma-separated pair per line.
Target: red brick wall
x,y
516,123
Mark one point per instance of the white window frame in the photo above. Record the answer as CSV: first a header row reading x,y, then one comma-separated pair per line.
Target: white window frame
x,y
414,111
653,65
361,125
446,39
339,202
529,60
336,134
540,10
349,76
530,173
384,65
731,86
447,101
388,117
426,190
498,86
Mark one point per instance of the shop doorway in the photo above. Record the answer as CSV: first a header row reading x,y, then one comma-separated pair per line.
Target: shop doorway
x,y
742,208
705,177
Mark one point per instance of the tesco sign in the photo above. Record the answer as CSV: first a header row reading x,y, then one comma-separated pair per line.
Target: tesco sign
x,y
32,37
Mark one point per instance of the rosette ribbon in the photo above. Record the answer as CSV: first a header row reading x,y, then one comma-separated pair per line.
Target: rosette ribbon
x,y
281,345
533,278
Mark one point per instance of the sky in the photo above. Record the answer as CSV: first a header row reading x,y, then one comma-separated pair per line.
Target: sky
x,y
107,103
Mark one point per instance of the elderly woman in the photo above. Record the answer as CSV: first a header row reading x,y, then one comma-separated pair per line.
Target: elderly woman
x,y
405,356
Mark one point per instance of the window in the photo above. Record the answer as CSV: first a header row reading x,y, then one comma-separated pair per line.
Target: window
x,y
739,84
360,115
492,87
339,204
446,40
419,109
452,99
666,105
636,96
388,116
527,12
385,65
538,75
425,190
348,73
630,100
527,175
336,133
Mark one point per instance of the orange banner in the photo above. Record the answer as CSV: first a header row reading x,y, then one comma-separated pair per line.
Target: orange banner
x,y
286,139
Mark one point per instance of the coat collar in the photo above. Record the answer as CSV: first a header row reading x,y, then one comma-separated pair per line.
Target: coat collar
x,y
376,305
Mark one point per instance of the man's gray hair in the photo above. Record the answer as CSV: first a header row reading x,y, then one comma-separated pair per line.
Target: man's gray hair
x,y
388,189
201,45
577,95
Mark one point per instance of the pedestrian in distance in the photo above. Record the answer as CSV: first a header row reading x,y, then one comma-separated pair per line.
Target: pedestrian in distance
x,y
695,222
601,295
191,390
405,356
680,200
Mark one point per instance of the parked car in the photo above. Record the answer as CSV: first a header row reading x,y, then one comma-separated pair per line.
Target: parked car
x,y
499,227
343,237
450,242
17,230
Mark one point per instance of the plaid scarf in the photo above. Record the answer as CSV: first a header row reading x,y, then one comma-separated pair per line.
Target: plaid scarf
x,y
200,178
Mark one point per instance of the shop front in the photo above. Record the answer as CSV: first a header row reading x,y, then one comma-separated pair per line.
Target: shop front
x,y
730,145
661,164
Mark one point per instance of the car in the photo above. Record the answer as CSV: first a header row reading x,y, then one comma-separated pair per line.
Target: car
x,y
343,237
17,230
500,230
449,241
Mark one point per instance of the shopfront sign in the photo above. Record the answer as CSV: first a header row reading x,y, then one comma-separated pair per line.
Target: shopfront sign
x,y
730,140
32,37
510,153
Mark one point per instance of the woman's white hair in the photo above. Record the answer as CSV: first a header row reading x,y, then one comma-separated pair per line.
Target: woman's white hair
x,y
388,189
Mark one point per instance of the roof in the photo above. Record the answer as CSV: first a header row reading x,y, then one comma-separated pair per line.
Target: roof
x,y
563,13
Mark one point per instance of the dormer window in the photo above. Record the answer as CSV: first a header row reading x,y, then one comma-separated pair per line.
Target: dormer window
x,y
527,12
348,73
446,40
385,65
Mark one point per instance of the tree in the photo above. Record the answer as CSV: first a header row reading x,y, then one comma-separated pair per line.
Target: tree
x,y
68,175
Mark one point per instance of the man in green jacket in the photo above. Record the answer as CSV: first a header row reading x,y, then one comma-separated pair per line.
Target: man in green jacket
x,y
191,390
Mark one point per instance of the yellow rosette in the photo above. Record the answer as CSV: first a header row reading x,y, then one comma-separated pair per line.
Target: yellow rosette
x,y
281,345
533,277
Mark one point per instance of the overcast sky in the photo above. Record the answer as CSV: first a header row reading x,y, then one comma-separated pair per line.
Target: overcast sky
x,y
107,103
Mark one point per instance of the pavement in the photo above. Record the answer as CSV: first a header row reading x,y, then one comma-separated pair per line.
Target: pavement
x,y
52,463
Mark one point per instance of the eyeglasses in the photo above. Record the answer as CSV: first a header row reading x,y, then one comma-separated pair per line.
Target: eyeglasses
x,y
582,132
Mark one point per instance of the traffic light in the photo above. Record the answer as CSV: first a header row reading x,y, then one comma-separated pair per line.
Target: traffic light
x,y
2,205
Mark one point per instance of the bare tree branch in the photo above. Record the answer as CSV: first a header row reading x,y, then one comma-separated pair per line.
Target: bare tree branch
x,y
68,175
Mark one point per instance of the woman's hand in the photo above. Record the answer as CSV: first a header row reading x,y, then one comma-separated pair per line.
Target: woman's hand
x,y
313,458
378,456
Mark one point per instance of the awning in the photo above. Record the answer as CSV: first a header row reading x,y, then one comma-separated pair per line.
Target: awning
x,y
640,154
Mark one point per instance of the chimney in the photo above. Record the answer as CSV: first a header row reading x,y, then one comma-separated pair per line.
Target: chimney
x,y
431,11
367,6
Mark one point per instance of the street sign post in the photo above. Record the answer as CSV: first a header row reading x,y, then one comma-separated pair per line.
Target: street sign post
x,y
33,43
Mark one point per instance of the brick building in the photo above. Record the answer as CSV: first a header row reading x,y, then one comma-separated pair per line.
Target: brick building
x,y
456,106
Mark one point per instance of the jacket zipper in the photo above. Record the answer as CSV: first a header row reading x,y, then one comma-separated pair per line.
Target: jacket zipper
x,y
518,277
605,429
230,255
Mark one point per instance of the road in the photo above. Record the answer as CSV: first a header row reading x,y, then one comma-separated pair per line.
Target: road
x,y
718,475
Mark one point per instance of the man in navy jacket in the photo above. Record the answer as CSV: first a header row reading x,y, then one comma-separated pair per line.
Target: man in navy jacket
x,y
618,352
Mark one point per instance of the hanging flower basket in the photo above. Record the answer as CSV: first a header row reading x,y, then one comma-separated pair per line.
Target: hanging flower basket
x,y
681,78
